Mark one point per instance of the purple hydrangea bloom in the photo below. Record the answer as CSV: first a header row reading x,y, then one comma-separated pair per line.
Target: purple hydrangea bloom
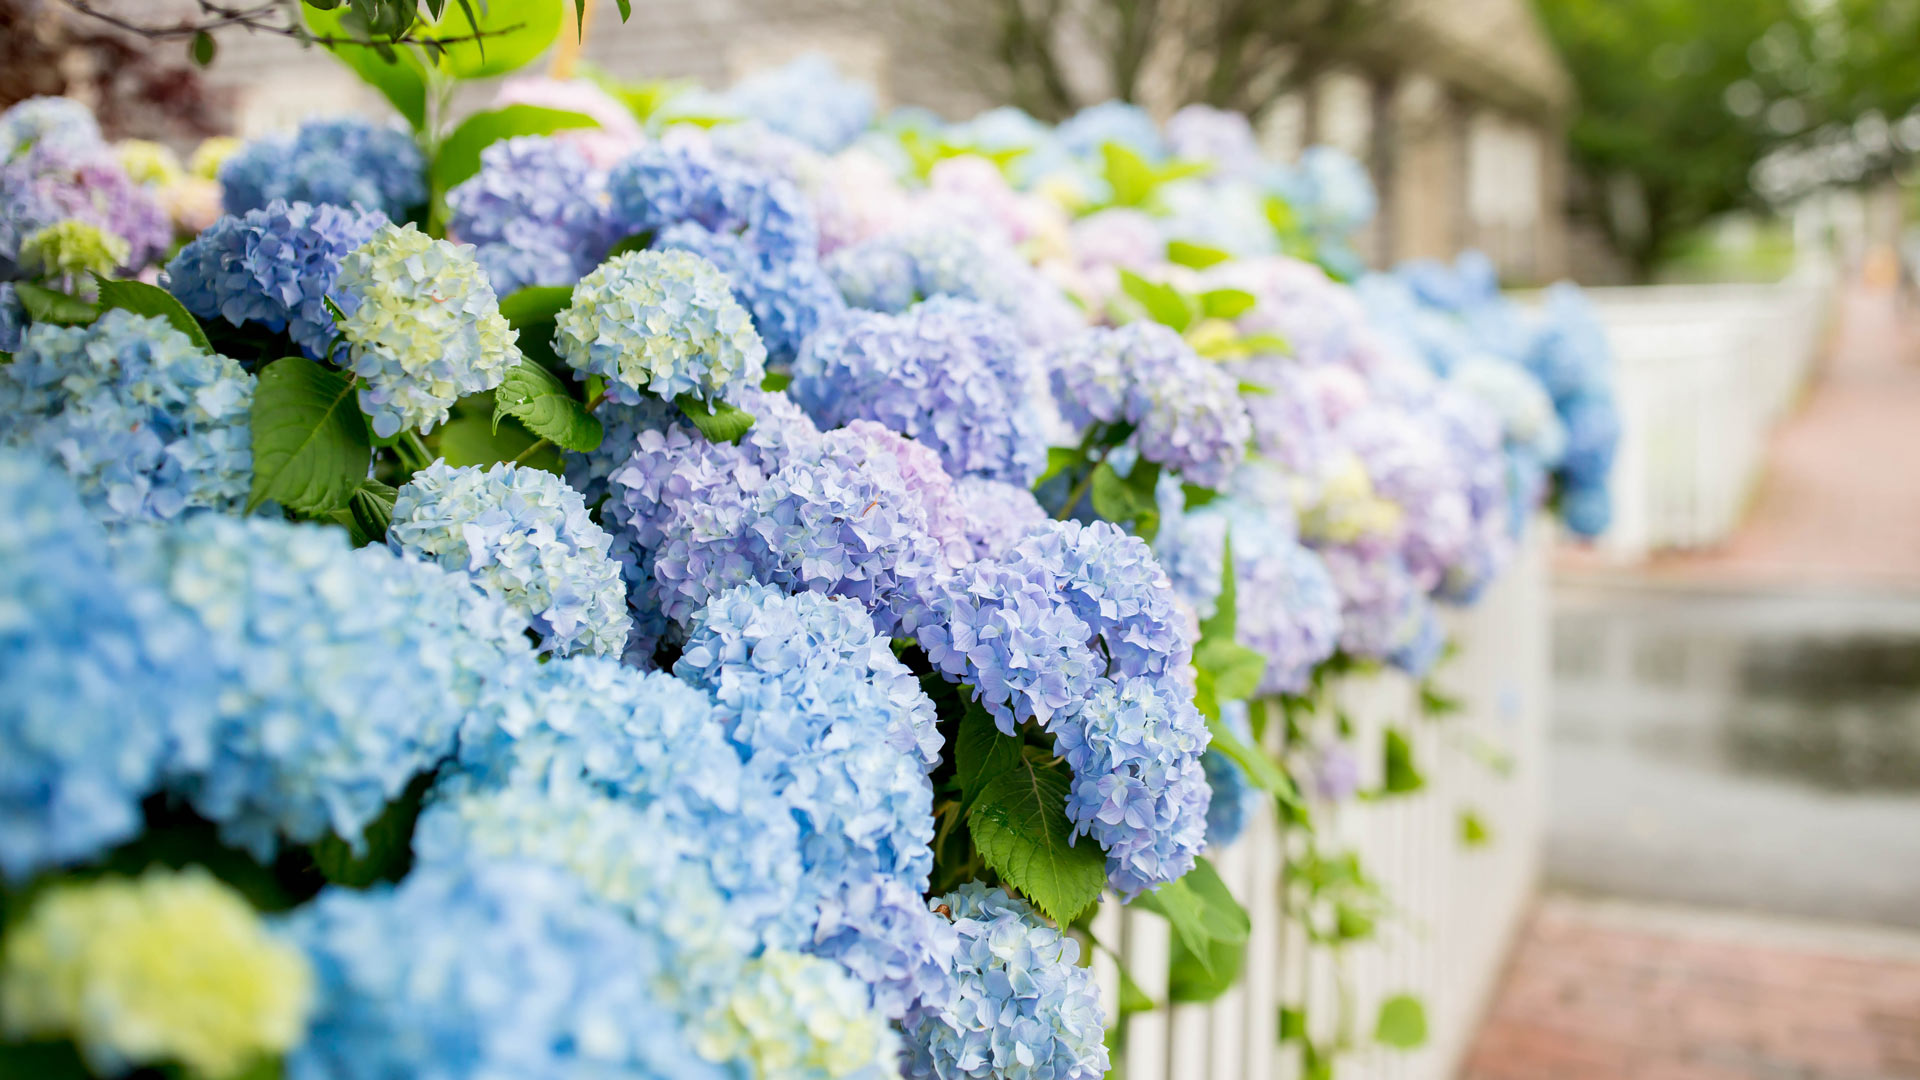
x,y
896,270
660,186
51,182
1382,602
882,932
1408,461
274,266
996,515
788,298
536,212
47,121
949,373
1186,410
345,161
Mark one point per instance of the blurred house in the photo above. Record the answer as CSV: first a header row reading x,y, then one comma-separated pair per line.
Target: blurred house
x,y
1458,107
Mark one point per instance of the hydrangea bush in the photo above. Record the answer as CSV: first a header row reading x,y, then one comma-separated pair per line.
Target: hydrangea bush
x,y
644,597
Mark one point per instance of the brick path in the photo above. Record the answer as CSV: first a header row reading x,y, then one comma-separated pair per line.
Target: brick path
x,y
1840,499
1602,990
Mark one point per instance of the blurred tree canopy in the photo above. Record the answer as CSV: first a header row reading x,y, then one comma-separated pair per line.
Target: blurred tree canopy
x,y
1690,108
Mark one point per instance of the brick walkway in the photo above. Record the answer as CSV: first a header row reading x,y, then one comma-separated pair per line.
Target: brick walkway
x,y
1840,499
1600,990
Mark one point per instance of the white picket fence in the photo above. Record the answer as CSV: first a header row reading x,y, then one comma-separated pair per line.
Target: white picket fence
x,y
1455,907
1703,372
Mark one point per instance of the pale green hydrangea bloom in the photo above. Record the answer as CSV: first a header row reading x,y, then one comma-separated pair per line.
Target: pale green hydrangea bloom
x,y
664,323
422,327
71,248
173,966
795,1017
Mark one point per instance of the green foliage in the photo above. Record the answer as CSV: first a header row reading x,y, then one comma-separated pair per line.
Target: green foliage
x,y
533,311
1473,829
370,512
459,155
396,73
776,381
310,442
1226,303
1020,828
538,399
1132,998
1293,1024
1134,179
510,35
53,306
1402,1023
717,420
201,49
1195,256
1401,776
485,438
980,753
1163,303
144,299
1129,499
1202,913
385,852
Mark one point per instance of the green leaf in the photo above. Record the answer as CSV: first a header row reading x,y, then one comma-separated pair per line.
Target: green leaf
x,y
1019,825
201,49
310,445
1402,1023
1259,767
579,20
385,852
1128,174
533,311
1251,389
537,398
1473,829
981,752
371,507
511,35
776,381
1402,777
1198,496
1264,343
144,299
1234,668
1164,304
639,241
1191,980
626,9
718,421
459,156
479,440
1351,923
1132,998
1434,703
1226,303
1293,1024
1059,459
1128,499
1197,256
1223,623
397,74
44,305
1200,910
43,1060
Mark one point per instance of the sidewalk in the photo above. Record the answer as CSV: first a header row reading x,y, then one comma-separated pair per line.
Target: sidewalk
x,y
1602,990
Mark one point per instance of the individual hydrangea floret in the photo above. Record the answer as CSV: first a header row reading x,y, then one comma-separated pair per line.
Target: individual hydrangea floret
x,y
997,515
793,1017
171,968
663,323
422,328
147,423
536,211
494,969
342,673
1025,1009
345,161
1185,410
951,374
103,693
274,266
525,537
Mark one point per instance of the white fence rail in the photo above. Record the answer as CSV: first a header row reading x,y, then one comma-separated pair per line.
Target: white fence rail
x,y
1454,907
1703,373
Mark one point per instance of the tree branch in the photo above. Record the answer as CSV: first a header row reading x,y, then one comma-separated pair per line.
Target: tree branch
x,y
260,19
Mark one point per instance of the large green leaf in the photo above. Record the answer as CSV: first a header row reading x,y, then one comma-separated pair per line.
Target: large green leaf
x,y
534,312
1164,304
385,850
144,299
459,155
1402,1023
1201,911
1193,980
1196,256
1128,499
477,439
44,305
1019,825
980,753
310,445
397,74
513,32
718,421
1402,776
1226,303
537,398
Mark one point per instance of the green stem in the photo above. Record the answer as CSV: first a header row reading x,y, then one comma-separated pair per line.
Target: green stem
x,y
413,452
531,450
1080,489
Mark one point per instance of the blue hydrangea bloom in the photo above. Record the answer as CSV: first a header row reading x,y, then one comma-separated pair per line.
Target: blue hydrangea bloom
x,y
660,185
345,161
342,673
47,121
498,969
103,692
809,100
895,270
1185,410
1025,1008
1086,131
536,212
1407,461
147,424
882,932
951,374
274,266
422,328
996,514
621,425
788,299
663,323
524,536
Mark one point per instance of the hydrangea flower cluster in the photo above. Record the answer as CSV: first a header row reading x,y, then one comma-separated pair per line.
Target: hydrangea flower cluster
x,y
169,968
1025,1008
896,270
523,536
788,298
800,1017
102,692
996,515
340,674
47,121
662,185
71,249
508,969
1185,411
345,161
147,424
274,266
536,213
422,328
809,100
949,373
50,182
663,323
